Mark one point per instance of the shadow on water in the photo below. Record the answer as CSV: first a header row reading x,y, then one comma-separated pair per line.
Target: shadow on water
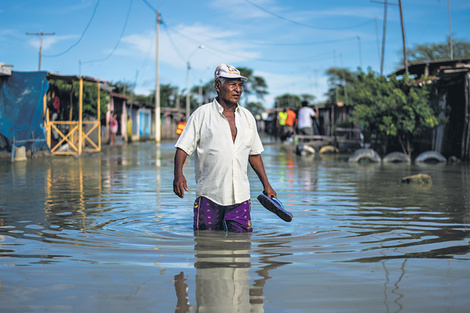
x,y
106,233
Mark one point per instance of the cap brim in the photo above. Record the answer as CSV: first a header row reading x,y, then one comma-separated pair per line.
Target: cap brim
x,y
233,77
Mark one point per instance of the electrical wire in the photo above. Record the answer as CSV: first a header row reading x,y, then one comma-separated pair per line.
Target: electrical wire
x,y
209,47
144,65
291,60
301,24
261,43
150,6
120,37
172,42
81,37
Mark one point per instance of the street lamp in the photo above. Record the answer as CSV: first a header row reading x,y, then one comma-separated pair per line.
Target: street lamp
x,y
187,79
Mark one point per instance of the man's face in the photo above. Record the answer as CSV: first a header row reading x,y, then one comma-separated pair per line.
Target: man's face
x,y
231,91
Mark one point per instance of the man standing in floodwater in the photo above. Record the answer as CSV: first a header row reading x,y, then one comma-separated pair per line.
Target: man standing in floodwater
x,y
225,138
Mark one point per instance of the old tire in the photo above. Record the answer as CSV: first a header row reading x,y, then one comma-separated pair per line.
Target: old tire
x,y
396,157
430,156
367,154
304,150
328,149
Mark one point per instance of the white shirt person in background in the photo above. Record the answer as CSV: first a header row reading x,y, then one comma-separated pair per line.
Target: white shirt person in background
x,y
306,116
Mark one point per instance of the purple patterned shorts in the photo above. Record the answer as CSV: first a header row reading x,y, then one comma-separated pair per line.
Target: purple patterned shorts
x,y
212,216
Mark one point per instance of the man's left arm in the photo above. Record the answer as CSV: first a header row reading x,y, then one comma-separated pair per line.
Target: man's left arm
x,y
256,163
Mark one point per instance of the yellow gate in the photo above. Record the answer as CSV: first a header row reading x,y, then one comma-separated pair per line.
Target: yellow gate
x,y
76,138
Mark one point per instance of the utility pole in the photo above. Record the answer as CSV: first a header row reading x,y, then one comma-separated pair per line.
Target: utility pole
x,y
402,33
383,39
405,58
360,51
188,68
40,44
377,37
383,35
450,31
158,121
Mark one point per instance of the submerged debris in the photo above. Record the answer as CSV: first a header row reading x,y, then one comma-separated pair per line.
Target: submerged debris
x,y
423,179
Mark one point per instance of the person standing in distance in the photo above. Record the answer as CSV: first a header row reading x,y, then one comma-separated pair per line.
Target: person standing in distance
x,y
225,139
306,116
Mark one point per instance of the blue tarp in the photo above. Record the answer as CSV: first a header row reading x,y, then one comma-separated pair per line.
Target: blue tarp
x,y
22,107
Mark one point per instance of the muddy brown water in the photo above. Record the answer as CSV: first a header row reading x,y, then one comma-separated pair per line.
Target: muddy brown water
x,y
105,233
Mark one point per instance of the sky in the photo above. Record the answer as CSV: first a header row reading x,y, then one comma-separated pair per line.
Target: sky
x,y
291,44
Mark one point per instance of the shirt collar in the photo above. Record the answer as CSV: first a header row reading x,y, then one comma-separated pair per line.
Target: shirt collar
x,y
221,109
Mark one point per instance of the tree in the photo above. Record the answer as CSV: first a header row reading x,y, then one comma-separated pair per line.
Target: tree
x,y
438,51
307,97
168,95
393,109
124,88
338,80
287,100
255,85
90,99
256,108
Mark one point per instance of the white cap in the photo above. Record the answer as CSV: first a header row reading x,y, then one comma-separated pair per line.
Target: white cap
x,y
228,71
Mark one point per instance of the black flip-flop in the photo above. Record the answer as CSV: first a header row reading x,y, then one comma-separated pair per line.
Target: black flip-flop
x,y
275,206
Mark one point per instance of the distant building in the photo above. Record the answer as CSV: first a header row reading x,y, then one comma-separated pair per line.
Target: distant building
x,y
453,79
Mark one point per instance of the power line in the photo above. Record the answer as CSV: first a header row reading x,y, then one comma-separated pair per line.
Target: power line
x,y
150,6
83,34
301,24
173,43
120,37
300,43
277,44
147,56
290,60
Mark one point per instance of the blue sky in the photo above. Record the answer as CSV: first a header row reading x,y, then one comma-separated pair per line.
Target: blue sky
x,y
290,43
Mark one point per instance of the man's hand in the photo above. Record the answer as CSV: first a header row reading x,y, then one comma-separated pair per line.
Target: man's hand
x,y
179,182
270,192
180,185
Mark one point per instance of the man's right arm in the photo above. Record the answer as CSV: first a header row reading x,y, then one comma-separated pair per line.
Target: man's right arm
x,y
179,181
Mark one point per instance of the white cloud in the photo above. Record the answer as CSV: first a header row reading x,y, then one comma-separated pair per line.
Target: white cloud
x,y
306,83
48,41
175,48
239,9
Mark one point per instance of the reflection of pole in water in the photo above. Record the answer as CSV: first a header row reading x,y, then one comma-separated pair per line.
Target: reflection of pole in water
x,y
395,291
159,176
387,281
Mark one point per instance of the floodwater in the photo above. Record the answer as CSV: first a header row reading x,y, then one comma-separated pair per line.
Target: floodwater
x,y
105,233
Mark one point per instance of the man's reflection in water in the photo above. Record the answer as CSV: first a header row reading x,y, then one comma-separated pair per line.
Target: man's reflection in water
x,y
222,278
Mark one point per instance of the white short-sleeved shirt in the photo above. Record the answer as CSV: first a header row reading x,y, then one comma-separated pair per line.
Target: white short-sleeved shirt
x,y
221,165
305,117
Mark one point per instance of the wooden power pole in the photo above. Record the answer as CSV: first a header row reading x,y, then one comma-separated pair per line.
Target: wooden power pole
x,y
40,44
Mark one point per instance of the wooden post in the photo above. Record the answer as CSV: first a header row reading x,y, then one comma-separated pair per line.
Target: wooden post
x,y
80,116
405,58
99,115
158,121
46,118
